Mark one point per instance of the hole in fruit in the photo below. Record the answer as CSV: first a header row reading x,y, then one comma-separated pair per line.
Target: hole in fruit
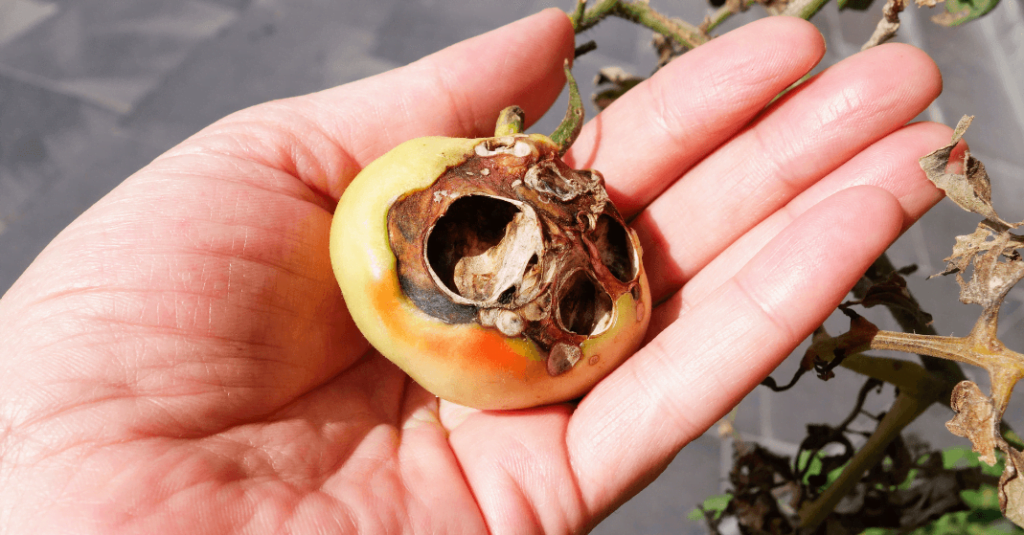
x,y
471,225
584,307
615,248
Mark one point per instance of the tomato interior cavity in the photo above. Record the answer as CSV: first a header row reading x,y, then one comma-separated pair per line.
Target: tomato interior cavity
x,y
471,226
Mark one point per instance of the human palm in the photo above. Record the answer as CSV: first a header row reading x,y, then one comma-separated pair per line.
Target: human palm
x,y
180,359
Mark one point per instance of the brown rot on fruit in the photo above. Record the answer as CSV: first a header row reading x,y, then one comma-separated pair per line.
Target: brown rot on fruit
x,y
490,271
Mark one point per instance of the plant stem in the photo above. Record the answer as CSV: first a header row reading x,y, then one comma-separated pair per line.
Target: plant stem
x,y
589,18
510,121
641,13
948,371
946,347
804,9
681,32
909,377
723,13
1005,366
577,14
904,410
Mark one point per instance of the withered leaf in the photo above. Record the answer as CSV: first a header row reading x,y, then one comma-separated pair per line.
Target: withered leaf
x,y
667,48
1011,487
965,248
826,353
893,293
755,473
992,278
976,419
972,190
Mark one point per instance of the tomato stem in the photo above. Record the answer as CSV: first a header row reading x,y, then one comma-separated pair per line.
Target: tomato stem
x,y
569,129
510,121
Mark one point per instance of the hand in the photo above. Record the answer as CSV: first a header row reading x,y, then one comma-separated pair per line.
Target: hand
x,y
180,360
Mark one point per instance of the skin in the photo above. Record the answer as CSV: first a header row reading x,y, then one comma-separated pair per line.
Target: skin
x,y
180,360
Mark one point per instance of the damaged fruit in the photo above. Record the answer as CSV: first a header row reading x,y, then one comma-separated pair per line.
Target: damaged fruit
x,y
490,271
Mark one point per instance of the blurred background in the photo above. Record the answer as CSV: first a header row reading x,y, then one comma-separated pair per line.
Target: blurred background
x,y
92,90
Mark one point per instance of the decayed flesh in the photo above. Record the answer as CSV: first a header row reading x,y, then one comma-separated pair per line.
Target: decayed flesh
x,y
514,239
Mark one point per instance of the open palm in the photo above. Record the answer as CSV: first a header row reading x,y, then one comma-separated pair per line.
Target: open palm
x,y
180,359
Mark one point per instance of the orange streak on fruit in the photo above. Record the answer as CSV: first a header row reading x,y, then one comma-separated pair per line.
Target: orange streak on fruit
x,y
485,353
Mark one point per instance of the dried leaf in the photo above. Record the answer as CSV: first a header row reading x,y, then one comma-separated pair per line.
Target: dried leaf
x,y
993,279
923,494
826,353
1011,487
667,48
893,293
965,248
755,473
976,419
972,190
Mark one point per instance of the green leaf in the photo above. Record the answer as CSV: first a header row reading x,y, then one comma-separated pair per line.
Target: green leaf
x,y
712,504
984,498
961,11
959,457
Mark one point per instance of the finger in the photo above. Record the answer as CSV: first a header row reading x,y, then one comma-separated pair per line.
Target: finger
x,y
327,137
797,141
890,164
679,384
515,464
650,136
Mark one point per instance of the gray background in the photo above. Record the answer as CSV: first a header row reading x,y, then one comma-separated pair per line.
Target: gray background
x,y
92,90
